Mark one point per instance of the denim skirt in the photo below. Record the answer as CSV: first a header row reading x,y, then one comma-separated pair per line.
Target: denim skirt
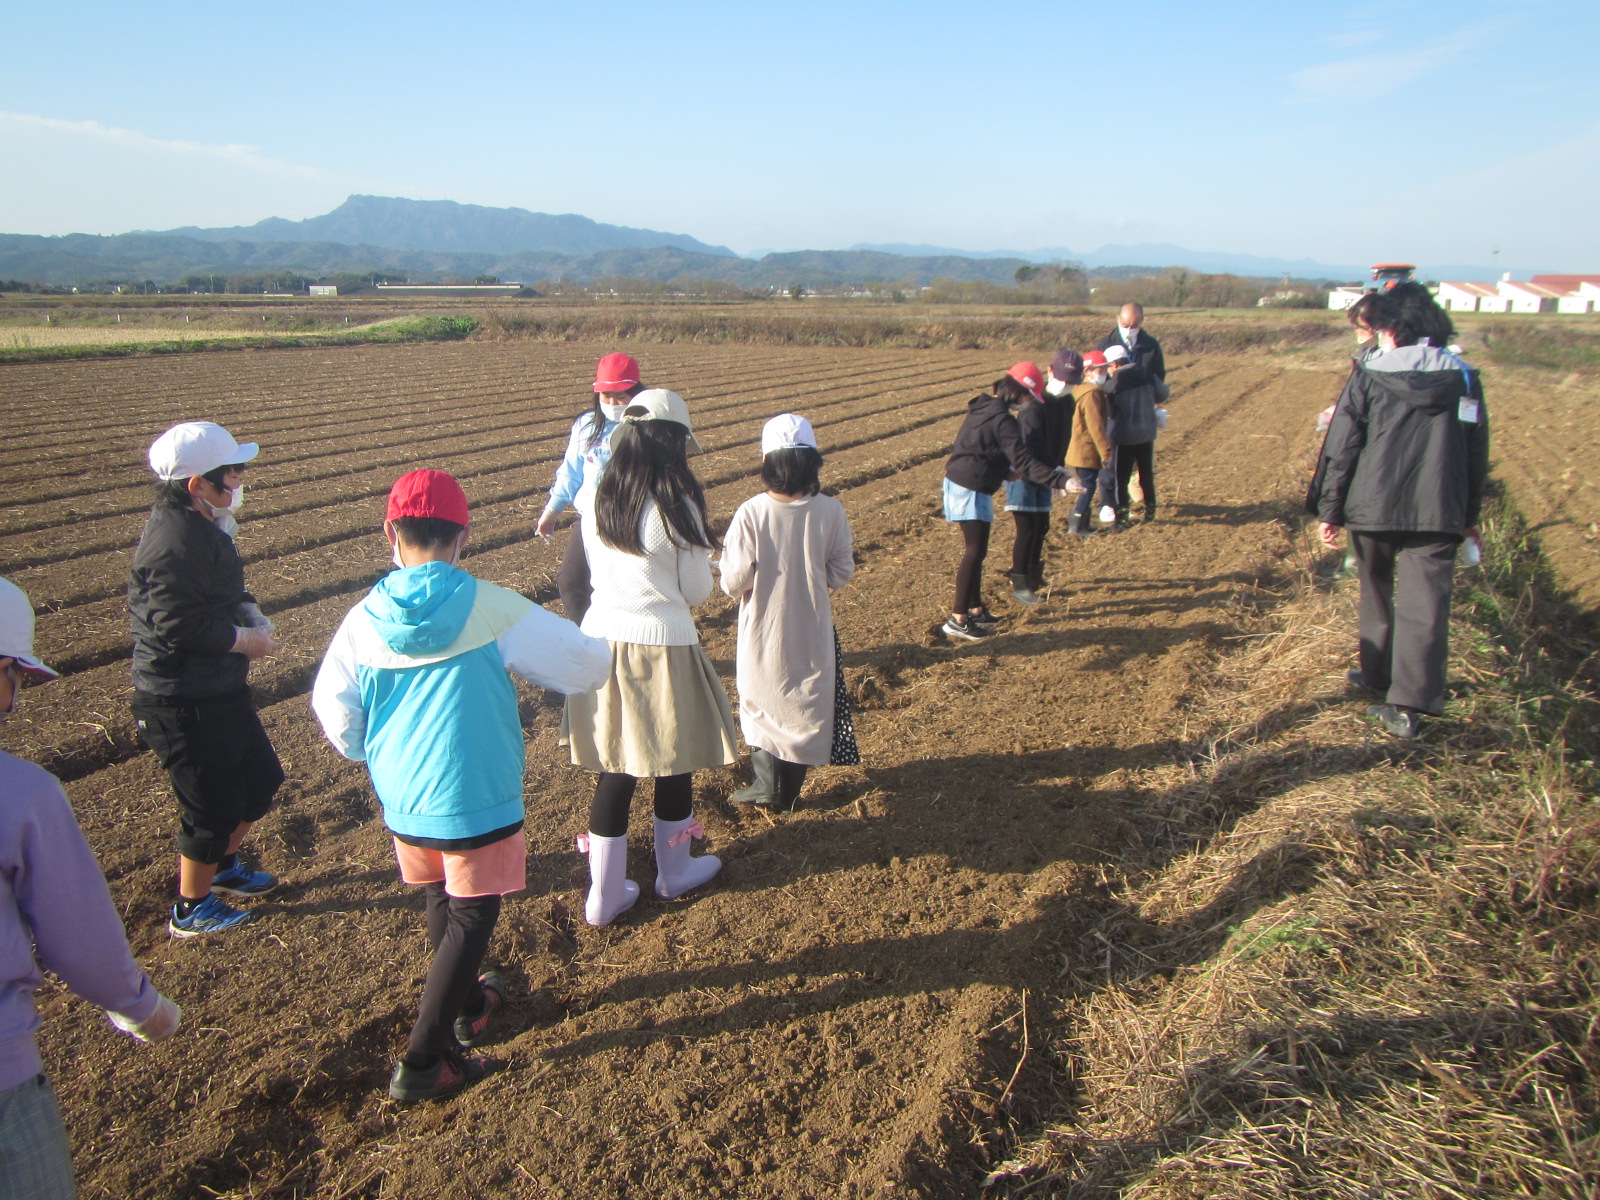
x,y
964,504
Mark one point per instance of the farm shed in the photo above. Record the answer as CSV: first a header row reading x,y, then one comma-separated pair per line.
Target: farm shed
x,y
1464,296
1527,297
1344,297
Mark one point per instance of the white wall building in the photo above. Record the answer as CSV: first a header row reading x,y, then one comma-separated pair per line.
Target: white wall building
x,y
1464,297
1344,297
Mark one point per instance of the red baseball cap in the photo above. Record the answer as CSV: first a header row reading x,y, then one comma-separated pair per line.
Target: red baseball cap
x,y
1030,377
616,373
428,494
1094,359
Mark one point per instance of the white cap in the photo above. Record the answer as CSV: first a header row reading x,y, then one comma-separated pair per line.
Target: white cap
x,y
1116,354
196,447
790,431
16,630
658,404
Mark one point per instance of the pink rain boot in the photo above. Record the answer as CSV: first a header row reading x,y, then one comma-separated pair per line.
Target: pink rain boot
x,y
611,892
676,871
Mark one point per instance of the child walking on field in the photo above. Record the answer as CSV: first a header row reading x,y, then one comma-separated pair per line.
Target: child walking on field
x,y
415,684
785,550
661,713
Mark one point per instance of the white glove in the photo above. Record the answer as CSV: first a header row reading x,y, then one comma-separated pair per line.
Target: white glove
x,y
157,1027
249,614
253,643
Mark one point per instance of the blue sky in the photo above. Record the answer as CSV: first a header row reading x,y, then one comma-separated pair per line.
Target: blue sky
x,y
1429,131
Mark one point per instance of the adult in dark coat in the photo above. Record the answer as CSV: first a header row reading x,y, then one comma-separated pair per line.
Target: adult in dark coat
x,y
1140,384
1403,469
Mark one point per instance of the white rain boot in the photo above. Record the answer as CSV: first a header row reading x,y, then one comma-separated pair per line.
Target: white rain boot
x,y
611,892
676,871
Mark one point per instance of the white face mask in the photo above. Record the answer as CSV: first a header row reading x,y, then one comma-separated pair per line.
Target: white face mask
x,y
1097,378
1129,332
613,412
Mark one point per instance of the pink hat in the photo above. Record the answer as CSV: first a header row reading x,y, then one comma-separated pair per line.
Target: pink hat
x,y
428,494
1030,377
616,373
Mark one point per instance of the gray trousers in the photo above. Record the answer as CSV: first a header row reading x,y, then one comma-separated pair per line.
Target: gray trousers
x,y
1405,614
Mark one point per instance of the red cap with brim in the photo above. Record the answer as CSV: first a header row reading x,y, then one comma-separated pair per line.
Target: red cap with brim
x,y
428,494
1030,377
616,373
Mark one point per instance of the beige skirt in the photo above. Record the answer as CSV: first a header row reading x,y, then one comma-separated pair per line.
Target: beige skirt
x,y
662,711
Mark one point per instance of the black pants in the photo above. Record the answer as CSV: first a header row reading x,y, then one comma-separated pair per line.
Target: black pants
x,y
572,577
613,795
969,575
1406,580
222,766
1143,456
459,928
1027,552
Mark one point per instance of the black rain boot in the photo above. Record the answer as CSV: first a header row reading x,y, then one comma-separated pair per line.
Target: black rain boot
x,y
1022,588
763,787
1078,526
791,778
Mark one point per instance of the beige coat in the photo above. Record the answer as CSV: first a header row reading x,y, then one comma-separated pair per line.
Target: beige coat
x,y
1091,443
781,560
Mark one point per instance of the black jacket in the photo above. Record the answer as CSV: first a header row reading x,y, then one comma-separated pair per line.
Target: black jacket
x,y
989,447
1408,449
184,591
1133,395
1047,428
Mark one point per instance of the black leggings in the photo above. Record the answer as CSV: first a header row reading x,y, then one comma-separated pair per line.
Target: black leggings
x,y
1028,551
572,576
459,928
969,576
608,812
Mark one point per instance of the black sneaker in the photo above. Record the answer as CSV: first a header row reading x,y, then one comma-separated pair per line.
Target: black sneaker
x,y
450,1075
1402,722
983,619
1357,679
965,630
474,1031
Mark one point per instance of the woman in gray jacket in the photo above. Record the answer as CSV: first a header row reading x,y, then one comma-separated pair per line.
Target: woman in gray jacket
x,y
1403,469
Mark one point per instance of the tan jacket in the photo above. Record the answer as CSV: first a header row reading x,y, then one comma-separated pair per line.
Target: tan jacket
x,y
1091,443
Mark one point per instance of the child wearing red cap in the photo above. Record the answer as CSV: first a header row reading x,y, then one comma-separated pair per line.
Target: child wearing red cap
x,y
989,447
1091,453
616,381
416,685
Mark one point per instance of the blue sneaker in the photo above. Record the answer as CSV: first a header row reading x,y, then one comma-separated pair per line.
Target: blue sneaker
x,y
211,915
240,880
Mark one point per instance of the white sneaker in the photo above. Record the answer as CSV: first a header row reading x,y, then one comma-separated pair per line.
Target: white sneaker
x,y
1107,514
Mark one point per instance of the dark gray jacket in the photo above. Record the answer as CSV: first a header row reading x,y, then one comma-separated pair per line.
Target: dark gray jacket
x,y
1133,394
989,446
184,592
1408,449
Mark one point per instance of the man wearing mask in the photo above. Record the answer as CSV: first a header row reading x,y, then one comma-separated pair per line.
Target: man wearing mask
x,y
1139,385
195,632
55,915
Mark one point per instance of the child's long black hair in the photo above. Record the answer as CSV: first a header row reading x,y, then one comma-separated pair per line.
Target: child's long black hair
x,y
649,462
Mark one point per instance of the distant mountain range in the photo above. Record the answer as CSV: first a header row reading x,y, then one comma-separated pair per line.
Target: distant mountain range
x,y
432,239
445,225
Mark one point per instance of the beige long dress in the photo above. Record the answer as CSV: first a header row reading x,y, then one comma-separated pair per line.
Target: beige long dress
x,y
781,560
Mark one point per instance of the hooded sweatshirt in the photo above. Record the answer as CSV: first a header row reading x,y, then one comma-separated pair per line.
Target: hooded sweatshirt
x,y
989,446
415,684
1408,447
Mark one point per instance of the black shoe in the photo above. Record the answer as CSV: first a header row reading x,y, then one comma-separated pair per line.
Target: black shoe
x,y
474,1031
1149,513
1022,589
983,619
1357,679
450,1075
1402,722
965,630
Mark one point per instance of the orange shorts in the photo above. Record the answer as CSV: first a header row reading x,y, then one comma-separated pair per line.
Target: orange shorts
x,y
497,869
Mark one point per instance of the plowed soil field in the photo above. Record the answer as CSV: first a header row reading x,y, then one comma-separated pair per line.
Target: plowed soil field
x,y
846,1011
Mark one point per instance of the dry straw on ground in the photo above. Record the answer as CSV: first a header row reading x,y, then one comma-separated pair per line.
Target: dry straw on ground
x,y
1363,968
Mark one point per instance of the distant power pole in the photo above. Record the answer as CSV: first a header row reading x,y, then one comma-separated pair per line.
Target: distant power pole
x,y
1494,256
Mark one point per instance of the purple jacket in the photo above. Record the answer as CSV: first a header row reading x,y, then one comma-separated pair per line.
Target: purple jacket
x,y
55,914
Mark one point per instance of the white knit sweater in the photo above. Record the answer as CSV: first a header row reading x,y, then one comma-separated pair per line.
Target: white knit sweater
x,y
645,598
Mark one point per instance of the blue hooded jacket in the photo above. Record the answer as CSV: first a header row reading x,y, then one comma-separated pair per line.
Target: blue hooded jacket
x,y
443,737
